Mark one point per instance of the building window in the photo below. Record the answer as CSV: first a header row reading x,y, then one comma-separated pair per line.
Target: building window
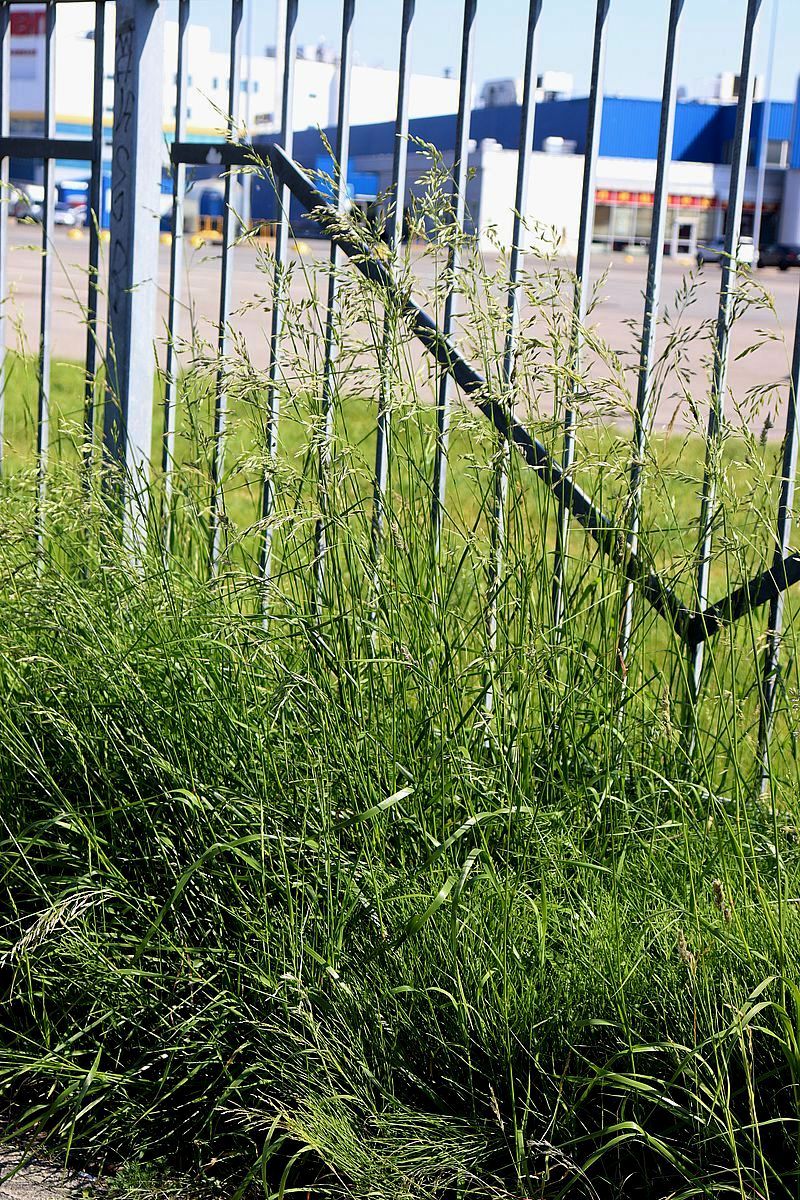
x,y
215,84
624,218
602,223
777,153
643,225
255,86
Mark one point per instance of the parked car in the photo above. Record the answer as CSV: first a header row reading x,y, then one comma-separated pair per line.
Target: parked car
x,y
782,256
26,209
713,251
710,251
71,215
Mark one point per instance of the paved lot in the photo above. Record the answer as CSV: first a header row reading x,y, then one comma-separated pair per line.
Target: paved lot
x,y
616,317
39,1179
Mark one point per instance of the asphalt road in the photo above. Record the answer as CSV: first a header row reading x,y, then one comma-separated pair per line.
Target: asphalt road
x,y
616,317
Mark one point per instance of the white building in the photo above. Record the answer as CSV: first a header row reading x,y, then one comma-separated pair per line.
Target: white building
x,y
623,197
373,89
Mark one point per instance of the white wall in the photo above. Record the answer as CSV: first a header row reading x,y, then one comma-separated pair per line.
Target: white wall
x,y
554,198
790,213
639,174
373,90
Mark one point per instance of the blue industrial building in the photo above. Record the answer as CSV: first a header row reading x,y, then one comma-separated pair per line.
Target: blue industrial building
x,y
704,132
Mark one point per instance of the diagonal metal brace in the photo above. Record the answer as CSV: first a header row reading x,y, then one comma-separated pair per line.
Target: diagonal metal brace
x,y
607,535
764,587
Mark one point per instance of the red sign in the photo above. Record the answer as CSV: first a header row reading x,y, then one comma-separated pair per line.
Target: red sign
x,y
609,196
30,23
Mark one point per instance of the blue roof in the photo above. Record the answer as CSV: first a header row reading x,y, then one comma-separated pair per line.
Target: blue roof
x,y
703,131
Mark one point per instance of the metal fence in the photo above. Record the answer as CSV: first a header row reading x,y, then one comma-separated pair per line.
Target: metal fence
x,y
127,419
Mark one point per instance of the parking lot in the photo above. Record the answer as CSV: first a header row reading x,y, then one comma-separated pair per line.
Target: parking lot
x,y
768,322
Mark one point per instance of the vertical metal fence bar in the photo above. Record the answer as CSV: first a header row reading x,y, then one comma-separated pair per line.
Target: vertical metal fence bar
x,y
328,379
716,412
175,268
94,217
582,291
133,263
46,293
5,98
783,533
498,531
394,235
217,506
247,178
652,291
460,174
763,138
268,494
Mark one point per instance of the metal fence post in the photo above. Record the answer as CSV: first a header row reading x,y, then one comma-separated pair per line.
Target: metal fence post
x,y
46,276
771,676
229,234
93,217
394,238
133,256
5,126
727,291
643,416
339,172
175,266
457,218
513,303
268,488
580,307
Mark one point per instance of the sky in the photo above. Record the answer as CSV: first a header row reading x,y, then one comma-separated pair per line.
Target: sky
x,y
710,43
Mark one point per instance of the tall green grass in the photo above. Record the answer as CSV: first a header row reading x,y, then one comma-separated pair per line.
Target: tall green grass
x,y
283,907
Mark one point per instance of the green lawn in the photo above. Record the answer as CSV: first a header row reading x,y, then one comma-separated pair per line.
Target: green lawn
x,y
673,470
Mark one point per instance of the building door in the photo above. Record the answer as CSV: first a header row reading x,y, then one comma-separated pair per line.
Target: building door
x,y
684,238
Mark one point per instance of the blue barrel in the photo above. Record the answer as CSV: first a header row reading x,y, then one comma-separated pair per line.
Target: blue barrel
x,y
212,203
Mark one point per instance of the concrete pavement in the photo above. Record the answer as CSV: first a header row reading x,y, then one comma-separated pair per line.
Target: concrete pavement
x,y
690,297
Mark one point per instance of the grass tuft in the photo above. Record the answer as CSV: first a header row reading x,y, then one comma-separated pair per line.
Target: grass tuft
x,y
283,909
